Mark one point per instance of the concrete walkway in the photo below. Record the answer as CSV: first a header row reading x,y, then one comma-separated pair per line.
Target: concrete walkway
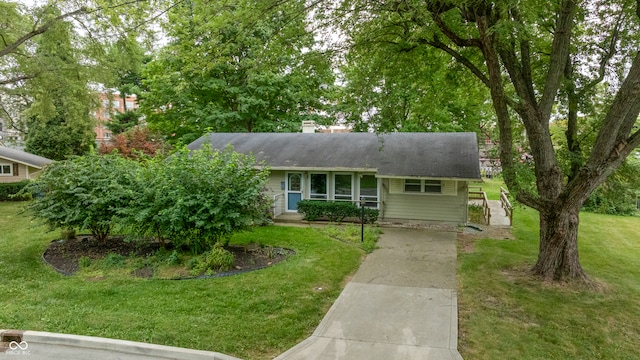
x,y
401,304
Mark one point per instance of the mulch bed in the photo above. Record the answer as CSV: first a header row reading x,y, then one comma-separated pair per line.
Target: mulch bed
x,y
64,255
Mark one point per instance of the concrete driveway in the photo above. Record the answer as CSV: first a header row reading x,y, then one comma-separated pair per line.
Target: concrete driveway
x,y
401,304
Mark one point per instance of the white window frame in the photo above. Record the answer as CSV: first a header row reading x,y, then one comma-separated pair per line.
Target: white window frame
x,y
425,184
2,165
378,186
342,197
326,187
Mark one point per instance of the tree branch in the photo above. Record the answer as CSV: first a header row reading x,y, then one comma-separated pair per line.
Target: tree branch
x,y
17,78
559,53
39,30
622,114
461,59
446,30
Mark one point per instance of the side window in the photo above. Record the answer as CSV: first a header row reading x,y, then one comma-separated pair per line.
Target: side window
x,y
412,185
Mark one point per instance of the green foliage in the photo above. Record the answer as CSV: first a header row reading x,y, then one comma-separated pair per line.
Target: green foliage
x,y
86,192
619,193
476,214
428,94
12,191
253,68
59,118
335,211
113,261
199,198
84,262
122,122
215,260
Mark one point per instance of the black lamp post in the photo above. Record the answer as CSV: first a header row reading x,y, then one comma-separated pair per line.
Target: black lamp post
x,y
362,202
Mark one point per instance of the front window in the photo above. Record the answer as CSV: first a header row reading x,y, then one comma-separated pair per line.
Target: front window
x,y
6,170
369,190
343,184
318,186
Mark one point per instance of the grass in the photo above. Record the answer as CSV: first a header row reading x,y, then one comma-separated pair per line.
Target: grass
x,y
490,186
352,234
255,315
505,314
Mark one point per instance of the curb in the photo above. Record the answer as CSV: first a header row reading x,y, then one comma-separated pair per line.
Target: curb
x,y
121,346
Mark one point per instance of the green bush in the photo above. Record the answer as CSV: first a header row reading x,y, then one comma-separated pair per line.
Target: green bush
x,y
8,191
113,261
335,211
86,192
215,260
198,198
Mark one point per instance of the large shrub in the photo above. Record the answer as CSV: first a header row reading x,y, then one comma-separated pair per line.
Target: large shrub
x,y
199,198
12,191
85,192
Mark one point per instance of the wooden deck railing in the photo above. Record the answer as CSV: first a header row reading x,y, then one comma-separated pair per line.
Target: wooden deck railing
x,y
478,194
506,204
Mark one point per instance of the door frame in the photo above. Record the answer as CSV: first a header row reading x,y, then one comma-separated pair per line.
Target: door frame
x,y
287,191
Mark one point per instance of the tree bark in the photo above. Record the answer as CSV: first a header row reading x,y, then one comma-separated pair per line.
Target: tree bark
x,y
558,256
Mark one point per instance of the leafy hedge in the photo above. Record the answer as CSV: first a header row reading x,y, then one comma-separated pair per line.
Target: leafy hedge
x,y
335,211
7,190
194,199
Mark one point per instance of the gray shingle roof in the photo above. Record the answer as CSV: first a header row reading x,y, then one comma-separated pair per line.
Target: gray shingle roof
x,y
23,157
429,155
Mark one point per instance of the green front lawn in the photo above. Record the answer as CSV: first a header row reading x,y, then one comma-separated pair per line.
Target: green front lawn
x,y
505,314
255,315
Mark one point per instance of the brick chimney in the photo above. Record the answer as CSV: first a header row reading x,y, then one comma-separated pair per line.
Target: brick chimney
x,y
308,127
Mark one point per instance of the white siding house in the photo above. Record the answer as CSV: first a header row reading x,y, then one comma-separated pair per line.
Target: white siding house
x,y
407,176
17,165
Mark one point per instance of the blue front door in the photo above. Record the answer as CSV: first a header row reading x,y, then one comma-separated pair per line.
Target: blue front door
x,y
292,201
294,190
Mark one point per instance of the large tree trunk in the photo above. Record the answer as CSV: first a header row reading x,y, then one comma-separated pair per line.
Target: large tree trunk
x,y
558,256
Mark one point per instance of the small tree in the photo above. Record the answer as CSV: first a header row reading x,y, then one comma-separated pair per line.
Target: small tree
x,y
199,198
86,192
135,142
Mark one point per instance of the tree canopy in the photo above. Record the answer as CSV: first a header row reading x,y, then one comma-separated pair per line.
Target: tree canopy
x,y
53,55
241,66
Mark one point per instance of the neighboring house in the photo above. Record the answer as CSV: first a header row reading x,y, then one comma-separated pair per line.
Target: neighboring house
x,y
407,176
17,165
9,135
109,106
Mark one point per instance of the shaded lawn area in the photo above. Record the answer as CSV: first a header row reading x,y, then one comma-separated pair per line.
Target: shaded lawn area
x,y
255,315
505,314
490,186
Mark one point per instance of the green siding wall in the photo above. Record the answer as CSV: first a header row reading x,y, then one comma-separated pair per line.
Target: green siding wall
x,y
447,208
